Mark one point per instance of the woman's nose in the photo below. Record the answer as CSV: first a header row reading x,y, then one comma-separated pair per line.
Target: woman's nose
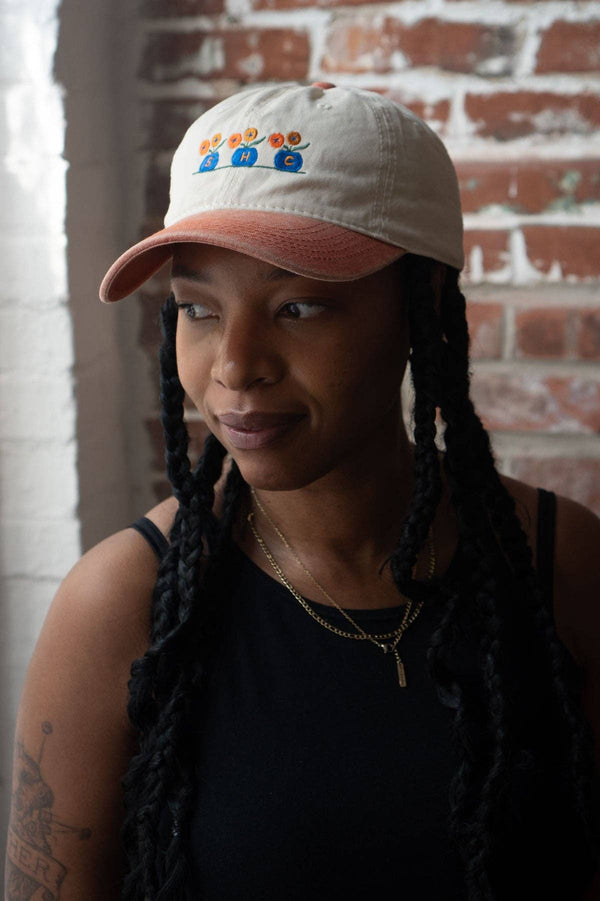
x,y
244,355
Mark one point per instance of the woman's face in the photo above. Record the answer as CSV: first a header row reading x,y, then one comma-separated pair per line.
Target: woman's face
x,y
251,337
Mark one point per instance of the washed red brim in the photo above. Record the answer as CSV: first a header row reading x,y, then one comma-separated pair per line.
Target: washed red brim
x,y
298,243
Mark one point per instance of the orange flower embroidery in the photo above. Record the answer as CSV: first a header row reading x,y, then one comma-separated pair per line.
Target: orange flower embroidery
x,y
216,139
294,138
250,134
204,147
276,139
234,140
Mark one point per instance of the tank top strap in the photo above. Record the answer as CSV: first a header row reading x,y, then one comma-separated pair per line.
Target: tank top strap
x,y
152,534
546,525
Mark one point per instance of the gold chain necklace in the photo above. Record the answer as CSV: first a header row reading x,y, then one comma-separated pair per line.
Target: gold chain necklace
x,y
387,647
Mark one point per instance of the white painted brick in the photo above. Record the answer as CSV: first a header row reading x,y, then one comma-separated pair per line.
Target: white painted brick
x,y
39,549
38,482
31,122
34,271
37,341
29,603
33,196
38,407
27,45
43,9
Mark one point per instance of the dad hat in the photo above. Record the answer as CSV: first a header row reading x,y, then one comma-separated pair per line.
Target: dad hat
x,y
331,182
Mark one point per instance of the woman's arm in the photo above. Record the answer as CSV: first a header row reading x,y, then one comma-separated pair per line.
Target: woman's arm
x,y
73,738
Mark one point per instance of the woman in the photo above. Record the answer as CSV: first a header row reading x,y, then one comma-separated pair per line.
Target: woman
x,y
281,737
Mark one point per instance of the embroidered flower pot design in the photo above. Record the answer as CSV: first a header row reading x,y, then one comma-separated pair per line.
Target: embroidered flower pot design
x,y
287,159
245,153
210,161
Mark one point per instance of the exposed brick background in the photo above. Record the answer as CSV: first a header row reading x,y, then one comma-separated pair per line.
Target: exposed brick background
x,y
247,54
514,92
570,47
507,115
356,46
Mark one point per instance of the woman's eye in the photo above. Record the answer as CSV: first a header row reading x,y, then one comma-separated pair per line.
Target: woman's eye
x,y
296,307
194,311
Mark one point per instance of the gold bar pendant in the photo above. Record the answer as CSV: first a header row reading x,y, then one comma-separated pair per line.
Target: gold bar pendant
x,y
401,674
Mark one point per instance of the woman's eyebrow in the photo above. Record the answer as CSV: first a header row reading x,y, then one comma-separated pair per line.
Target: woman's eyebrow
x,y
197,275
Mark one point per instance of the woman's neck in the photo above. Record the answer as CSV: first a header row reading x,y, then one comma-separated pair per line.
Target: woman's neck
x,y
350,518
343,538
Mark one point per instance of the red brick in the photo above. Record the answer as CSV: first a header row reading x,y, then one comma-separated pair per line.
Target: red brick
x,y
541,333
485,329
494,247
533,403
574,247
570,47
508,115
248,55
577,478
298,4
170,9
453,46
588,334
530,186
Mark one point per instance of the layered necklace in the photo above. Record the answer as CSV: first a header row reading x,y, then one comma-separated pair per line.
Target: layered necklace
x,y
388,642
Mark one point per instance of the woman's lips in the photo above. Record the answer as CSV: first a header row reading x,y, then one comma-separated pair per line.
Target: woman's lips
x,y
251,439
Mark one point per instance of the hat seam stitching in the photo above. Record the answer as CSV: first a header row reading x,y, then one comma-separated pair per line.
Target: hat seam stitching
x,y
377,198
386,169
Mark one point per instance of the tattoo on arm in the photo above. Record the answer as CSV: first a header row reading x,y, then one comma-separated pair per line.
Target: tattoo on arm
x,y
32,871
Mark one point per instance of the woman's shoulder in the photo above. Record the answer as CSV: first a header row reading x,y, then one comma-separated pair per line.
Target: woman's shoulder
x,y
571,519
110,589
576,574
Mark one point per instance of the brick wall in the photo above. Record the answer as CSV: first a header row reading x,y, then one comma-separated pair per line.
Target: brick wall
x,y
513,90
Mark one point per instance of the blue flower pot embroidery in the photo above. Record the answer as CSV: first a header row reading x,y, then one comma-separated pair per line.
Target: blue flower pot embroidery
x,y
209,162
288,160
244,156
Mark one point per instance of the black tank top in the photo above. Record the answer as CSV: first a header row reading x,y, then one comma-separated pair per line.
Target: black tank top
x,y
318,777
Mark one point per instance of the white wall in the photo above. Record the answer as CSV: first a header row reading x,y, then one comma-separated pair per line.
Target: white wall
x,y
39,524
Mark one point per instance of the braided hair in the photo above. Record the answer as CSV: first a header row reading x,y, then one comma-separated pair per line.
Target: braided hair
x,y
521,810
